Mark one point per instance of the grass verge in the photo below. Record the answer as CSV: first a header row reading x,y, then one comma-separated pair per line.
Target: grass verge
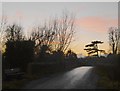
x,y
109,78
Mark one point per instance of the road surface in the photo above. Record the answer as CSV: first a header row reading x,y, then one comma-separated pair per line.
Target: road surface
x,y
78,78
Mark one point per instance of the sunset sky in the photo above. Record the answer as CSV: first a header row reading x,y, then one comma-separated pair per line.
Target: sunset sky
x,y
93,19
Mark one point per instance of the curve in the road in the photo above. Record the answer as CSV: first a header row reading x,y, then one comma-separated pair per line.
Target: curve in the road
x,y
78,78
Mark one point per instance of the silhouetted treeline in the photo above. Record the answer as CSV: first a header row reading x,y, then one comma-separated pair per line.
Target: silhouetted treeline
x,y
19,54
46,44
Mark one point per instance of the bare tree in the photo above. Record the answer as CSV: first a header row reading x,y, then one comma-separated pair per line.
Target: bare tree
x,y
114,39
64,29
14,32
3,25
57,33
42,36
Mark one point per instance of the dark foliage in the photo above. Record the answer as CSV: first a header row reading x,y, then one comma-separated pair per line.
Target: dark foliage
x,y
71,56
19,54
93,48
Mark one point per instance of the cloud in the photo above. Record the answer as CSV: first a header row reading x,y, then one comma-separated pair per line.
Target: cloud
x,y
96,24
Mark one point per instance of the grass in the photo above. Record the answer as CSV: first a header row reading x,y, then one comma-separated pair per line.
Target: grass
x,y
18,84
108,78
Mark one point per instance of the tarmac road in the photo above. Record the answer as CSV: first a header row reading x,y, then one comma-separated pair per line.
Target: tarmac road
x,y
78,78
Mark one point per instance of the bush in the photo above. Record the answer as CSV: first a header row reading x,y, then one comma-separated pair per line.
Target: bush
x,y
19,53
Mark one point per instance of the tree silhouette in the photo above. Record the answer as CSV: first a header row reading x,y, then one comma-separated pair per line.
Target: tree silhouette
x,y
49,42
64,30
57,33
114,40
3,24
70,55
42,36
19,52
14,33
93,48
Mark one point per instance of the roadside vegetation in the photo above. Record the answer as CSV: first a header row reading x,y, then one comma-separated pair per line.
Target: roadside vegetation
x,y
109,74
